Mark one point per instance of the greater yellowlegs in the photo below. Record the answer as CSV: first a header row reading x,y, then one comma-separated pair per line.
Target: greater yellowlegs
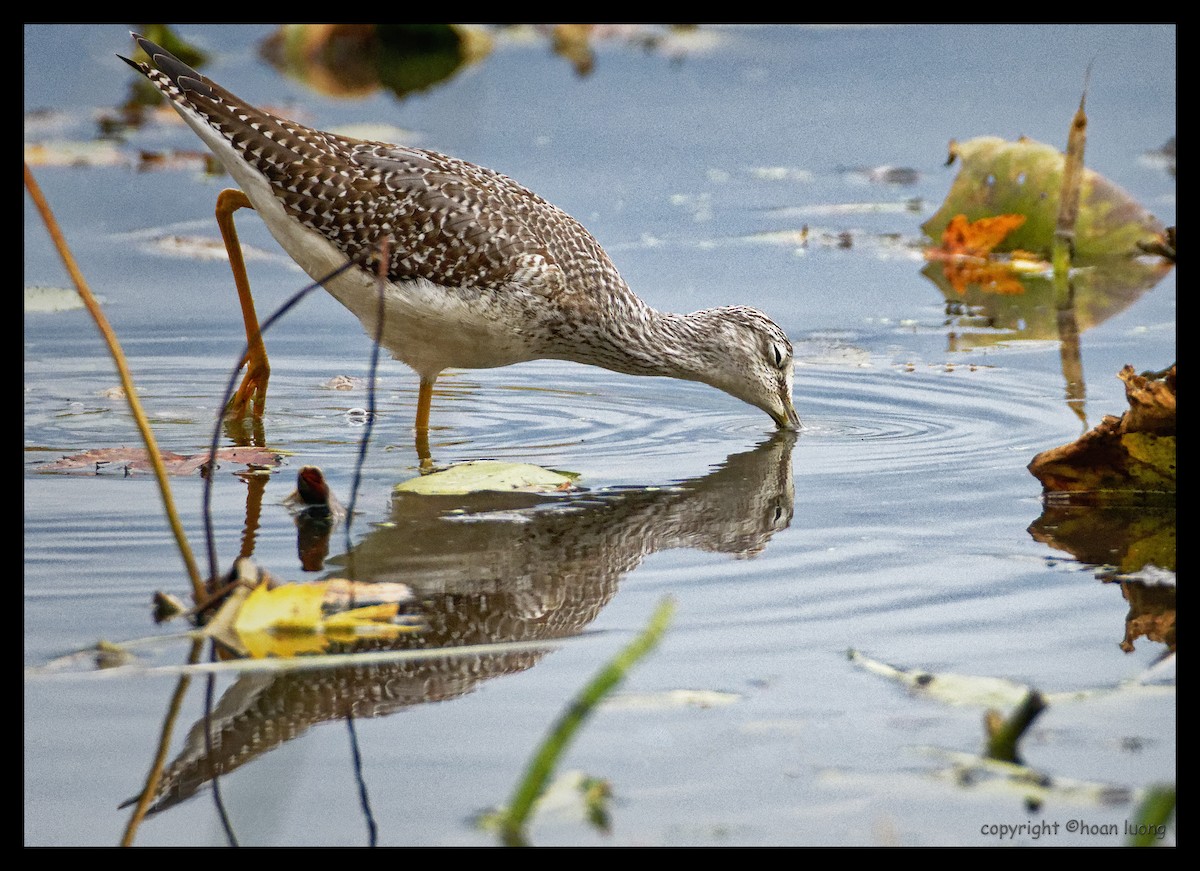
x,y
481,272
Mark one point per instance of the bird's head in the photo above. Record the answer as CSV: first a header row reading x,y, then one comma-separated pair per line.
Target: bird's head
x,y
750,357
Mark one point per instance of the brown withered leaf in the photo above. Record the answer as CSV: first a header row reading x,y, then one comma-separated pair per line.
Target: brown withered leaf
x,y
131,460
1132,454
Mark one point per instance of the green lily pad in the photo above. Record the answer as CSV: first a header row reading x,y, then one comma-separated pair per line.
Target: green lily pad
x,y
489,475
1025,178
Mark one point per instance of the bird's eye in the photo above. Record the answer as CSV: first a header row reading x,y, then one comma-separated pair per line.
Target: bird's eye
x,y
778,354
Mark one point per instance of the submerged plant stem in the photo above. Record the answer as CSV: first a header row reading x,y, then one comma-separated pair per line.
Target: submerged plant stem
x,y
118,356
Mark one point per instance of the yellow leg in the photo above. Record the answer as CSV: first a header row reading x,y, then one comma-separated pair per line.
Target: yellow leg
x,y
424,403
252,393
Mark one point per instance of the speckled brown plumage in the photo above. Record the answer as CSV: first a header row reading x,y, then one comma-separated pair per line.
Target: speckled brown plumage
x,y
483,271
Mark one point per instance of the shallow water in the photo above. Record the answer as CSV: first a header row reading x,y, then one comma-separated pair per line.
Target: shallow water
x,y
897,523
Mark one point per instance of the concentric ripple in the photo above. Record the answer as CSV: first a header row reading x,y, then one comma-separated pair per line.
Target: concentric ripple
x,y
636,429
872,417
884,418
905,419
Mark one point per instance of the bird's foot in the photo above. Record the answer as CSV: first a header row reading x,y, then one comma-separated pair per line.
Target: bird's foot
x,y
251,397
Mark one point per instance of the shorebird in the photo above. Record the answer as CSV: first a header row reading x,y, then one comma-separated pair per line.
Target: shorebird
x,y
480,271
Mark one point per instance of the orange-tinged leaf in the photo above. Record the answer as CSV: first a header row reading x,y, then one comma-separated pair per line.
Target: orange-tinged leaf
x,y
980,237
1099,294
966,250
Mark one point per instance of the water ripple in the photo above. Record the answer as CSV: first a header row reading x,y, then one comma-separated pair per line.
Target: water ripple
x,y
898,419
881,418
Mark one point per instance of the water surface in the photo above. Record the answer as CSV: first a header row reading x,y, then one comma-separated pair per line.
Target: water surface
x,y
896,523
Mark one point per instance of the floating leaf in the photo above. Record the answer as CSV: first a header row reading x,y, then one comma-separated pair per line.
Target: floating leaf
x,y
348,622
1133,454
220,627
287,608
979,237
481,475
92,153
349,59
987,692
965,254
129,460
202,248
283,645
295,619
110,655
1025,178
1028,785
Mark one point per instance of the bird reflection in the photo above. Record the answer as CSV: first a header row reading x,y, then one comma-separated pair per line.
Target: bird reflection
x,y
487,568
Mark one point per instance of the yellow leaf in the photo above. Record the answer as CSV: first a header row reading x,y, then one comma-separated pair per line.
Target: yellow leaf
x,y
289,620
288,608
